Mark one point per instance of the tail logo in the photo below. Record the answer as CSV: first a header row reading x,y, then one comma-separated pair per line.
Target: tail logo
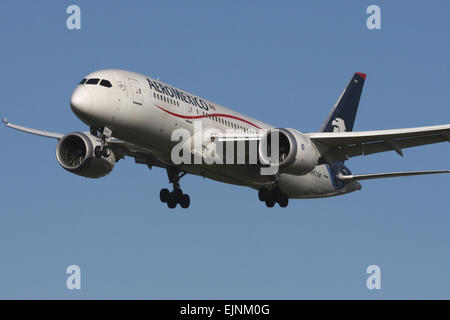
x,y
338,125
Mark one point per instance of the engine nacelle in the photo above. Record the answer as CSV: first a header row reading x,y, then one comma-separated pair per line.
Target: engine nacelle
x,y
297,154
75,153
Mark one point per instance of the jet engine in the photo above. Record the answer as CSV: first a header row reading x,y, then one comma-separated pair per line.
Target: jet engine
x,y
75,153
296,155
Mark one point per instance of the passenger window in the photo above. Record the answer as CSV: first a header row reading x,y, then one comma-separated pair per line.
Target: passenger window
x,y
105,83
93,81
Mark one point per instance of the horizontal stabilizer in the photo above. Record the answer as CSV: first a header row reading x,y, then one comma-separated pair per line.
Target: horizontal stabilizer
x,y
357,177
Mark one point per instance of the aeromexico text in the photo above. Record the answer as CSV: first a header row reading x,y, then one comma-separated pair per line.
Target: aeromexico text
x,y
179,95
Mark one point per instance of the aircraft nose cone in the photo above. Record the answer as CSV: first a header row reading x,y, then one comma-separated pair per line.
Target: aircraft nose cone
x,y
81,101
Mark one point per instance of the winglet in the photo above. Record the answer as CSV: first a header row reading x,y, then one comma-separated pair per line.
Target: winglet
x,y
5,120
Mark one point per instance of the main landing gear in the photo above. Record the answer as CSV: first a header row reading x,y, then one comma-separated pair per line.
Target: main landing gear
x,y
272,196
176,196
102,150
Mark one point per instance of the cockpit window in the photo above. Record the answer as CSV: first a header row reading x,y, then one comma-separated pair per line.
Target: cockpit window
x,y
83,81
93,81
105,83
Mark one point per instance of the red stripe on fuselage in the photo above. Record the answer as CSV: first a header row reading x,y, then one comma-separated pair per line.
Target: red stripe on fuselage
x,y
223,115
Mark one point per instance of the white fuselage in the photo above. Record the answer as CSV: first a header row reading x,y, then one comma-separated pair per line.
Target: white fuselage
x,y
144,112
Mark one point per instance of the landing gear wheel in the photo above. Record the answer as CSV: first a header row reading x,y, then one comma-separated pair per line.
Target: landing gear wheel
x,y
270,203
283,201
276,193
272,196
106,151
178,193
262,194
164,195
176,196
172,201
184,201
98,151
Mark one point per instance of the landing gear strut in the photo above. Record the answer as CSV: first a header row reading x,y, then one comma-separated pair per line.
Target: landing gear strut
x,y
176,196
103,133
272,196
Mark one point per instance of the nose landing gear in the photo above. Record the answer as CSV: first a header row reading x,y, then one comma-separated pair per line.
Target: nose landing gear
x,y
176,196
104,151
103,133
272,196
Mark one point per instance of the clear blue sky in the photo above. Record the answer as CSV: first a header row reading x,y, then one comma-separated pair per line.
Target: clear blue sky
x,y
283,62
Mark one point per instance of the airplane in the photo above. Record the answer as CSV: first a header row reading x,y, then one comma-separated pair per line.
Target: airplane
x,y
130,114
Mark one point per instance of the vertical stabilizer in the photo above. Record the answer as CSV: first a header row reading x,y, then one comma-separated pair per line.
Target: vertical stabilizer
x,y
342,116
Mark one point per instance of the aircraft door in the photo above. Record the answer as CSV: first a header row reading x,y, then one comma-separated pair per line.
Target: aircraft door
x,y
138,96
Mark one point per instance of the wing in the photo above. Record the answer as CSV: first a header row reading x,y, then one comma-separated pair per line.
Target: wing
x,y
339,146
357,177
119,147
42,133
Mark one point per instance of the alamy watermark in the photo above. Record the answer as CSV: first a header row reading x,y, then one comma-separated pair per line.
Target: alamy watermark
x,y
212,146
73,281
373,22
374,280
73,21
